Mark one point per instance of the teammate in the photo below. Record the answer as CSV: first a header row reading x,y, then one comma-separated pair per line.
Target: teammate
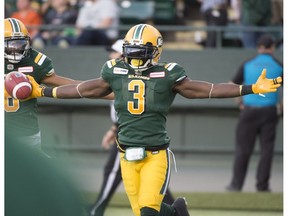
x,y
112,172
21,120
144,91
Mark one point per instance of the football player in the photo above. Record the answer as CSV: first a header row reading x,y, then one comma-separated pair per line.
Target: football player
x,y
144,91
21,118
112,171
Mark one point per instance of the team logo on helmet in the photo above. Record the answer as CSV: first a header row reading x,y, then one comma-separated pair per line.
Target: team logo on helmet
x,y
159,41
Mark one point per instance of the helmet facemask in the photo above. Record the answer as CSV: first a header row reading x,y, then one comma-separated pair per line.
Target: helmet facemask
x,y
140,57
16,40
16,48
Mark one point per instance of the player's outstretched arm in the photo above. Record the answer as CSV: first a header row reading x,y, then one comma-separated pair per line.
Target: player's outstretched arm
x,y
94,88
199,89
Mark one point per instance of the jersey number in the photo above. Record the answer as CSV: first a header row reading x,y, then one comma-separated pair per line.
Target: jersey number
x,y
10,104
138,87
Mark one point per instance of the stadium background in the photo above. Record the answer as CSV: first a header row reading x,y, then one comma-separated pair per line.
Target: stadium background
x,y
202,134
194,125
202,131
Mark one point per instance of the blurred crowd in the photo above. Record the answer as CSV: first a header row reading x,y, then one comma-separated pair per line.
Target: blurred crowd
x,y
68,22
245,14
65,23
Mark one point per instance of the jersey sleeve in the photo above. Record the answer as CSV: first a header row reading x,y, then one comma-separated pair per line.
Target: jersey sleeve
x,y
106,71
43,65
176,72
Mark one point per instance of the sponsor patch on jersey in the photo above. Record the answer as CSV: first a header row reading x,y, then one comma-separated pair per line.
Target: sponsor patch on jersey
x,y
28,69
10,67
118,70
157,74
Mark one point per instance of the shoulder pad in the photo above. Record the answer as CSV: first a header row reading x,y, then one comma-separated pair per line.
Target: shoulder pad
x,y
170,66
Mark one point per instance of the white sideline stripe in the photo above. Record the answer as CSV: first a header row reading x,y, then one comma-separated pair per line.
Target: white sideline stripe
x,y
18,86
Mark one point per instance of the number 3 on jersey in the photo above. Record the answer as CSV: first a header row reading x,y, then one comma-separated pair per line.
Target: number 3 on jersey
x,y
138,87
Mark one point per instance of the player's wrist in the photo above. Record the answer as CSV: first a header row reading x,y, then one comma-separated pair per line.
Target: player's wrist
x,y
245,89
49,92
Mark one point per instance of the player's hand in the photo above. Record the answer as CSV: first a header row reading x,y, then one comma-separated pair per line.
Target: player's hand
x,y
264,85
36,88
108,139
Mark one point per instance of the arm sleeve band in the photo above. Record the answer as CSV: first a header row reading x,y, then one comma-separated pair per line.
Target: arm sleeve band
x,y
245,89
48,92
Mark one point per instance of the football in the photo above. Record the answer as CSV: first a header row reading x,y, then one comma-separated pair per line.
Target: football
x,y
18,85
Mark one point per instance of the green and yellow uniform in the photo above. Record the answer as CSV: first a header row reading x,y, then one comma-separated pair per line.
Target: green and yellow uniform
x,y
21,116
142,103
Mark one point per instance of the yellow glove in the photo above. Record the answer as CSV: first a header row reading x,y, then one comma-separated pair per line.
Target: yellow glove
x,y
36,88
264,85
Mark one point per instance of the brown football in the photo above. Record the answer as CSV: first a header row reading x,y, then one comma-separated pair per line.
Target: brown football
x,y
18,85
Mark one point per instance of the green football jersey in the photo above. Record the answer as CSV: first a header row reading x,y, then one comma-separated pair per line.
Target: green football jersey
x,y
21,116
142,101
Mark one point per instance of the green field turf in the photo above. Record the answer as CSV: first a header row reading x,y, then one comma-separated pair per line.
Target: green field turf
x,y
128,212
212,204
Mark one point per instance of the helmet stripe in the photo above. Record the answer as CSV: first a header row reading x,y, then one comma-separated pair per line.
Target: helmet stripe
x,y
15,25
138,32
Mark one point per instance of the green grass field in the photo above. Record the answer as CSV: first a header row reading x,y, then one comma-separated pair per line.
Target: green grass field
x,y
210,204
128,212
